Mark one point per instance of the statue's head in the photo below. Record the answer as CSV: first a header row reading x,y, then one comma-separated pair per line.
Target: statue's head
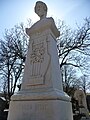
x,y
41,9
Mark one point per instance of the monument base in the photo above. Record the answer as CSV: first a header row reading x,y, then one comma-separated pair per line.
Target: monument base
x,y
46,108
40,110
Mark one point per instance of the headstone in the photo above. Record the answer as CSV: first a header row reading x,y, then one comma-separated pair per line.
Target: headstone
x,y
41,96
79,95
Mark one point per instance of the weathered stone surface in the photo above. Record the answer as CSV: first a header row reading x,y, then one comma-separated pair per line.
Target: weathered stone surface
x,y
41,96
41,110
79,95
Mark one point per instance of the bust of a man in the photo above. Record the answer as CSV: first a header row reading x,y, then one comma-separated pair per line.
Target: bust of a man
x,y
41,9
44,22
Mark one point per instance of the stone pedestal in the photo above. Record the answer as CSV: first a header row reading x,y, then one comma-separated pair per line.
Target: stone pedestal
x,y
41,96
41,110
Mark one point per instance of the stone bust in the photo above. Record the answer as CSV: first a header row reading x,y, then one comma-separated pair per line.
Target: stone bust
x,y
44,22
41,9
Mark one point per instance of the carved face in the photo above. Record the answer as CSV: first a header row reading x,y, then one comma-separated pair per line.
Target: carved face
x,y
40,9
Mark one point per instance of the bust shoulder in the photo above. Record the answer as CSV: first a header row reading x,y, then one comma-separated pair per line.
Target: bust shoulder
x,y
43,24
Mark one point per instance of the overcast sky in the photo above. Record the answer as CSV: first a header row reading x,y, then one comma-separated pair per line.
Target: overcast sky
x,y
16,11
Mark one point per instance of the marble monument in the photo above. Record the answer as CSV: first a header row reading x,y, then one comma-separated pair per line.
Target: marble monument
x,y
41,96
79,95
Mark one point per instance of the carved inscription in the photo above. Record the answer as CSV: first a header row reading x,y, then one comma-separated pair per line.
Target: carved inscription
x,y
35,107
40,107
33,110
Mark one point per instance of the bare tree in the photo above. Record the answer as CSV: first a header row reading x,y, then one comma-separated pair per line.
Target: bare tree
x,y
84,83
12,57
71,42
74,52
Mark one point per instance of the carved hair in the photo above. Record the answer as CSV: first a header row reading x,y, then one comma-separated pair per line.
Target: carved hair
x,y
44,6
